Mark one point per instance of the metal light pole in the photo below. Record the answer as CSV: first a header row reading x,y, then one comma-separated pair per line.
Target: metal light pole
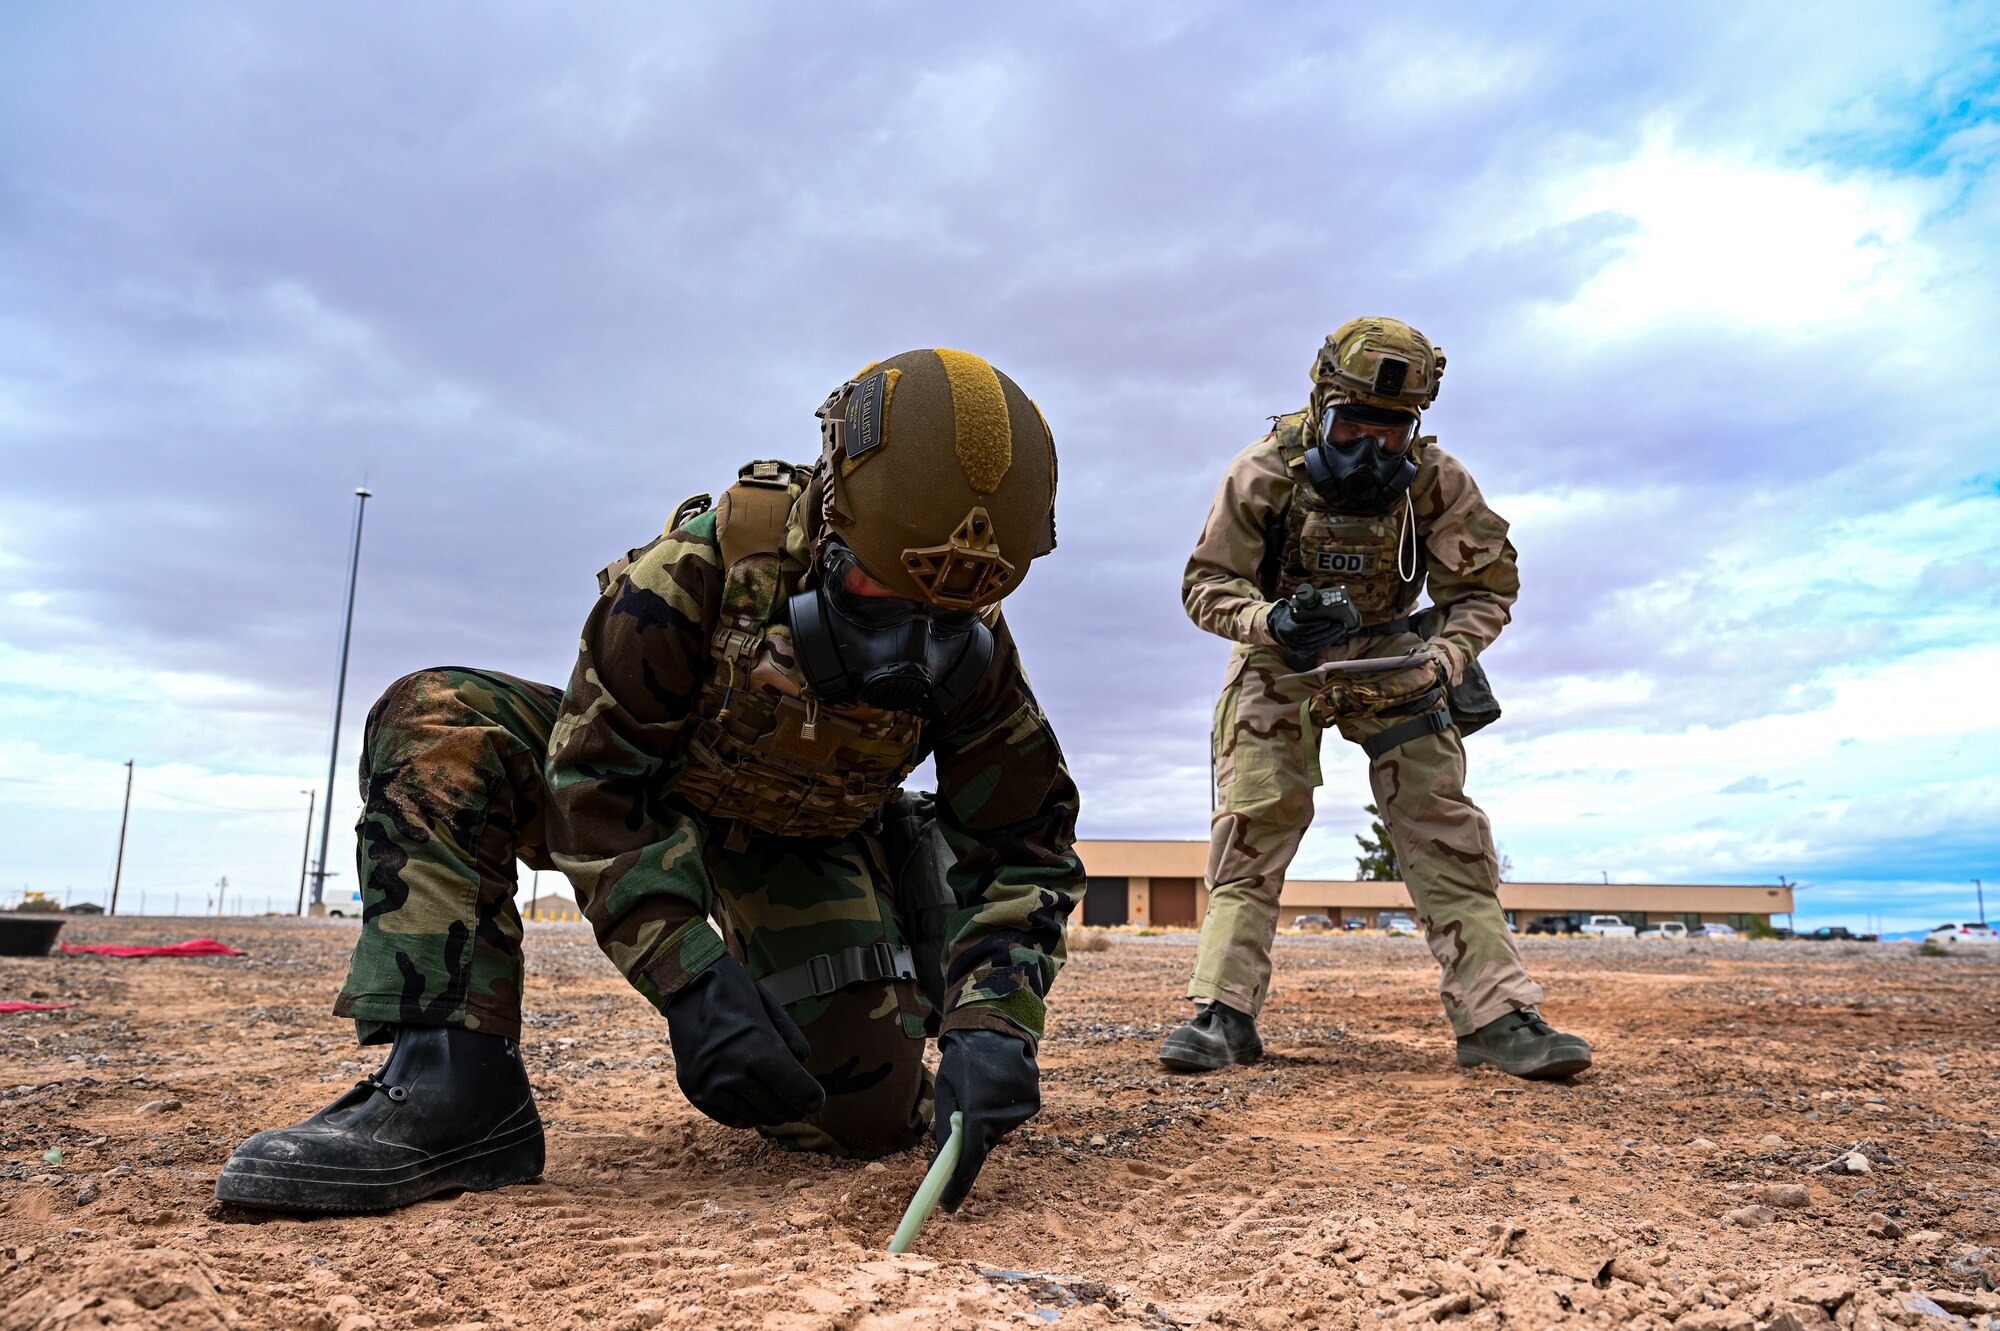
x,y
339,696
305,856
125,820
1980,888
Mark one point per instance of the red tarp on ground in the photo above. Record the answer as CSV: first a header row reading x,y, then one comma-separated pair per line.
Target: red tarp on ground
x,y
34,1007
194,947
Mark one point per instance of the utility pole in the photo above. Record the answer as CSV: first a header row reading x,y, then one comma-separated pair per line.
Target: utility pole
x,y
305,856
339,696
1980,888
124,821
221,886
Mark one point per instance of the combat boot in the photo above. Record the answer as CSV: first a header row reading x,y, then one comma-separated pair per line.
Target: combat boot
x,y
449,1109
1525,1045
1218,1035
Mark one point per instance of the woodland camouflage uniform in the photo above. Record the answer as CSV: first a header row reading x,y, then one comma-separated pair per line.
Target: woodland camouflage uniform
x,y
464,771
1268,532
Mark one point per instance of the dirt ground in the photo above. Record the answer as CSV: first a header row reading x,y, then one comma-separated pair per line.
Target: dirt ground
x,y
1353,1178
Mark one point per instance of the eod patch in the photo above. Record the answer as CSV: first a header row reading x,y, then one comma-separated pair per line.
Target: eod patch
x,y
1339,561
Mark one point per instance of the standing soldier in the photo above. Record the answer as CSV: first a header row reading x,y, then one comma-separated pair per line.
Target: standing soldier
x,y
753,687
1346,495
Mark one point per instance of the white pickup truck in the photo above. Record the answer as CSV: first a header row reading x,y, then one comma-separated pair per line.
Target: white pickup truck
x,y
1608,926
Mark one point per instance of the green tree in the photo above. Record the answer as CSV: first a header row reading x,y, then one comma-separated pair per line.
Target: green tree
x,y
1378,856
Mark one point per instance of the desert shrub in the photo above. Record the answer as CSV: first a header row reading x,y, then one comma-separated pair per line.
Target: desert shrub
x,y
1088,940
1930,947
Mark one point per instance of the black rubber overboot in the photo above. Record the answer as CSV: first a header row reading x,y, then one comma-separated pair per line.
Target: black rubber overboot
x,y
1219,1035
449,1109
1526,1046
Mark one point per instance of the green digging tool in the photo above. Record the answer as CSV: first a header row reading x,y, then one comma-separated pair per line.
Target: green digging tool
x,y
931,1188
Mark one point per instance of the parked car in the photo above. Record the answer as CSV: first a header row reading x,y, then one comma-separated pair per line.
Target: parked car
x,y
86,908
1401,924
1353,924
1838,933
1313,922
1608,926
1549,924
1665,929
1963,933
1718,931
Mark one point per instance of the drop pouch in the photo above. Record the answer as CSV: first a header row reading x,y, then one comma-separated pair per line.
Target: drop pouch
x,y
1473,706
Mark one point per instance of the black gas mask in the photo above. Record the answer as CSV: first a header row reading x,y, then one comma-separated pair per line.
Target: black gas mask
x,y
1363,475
884,651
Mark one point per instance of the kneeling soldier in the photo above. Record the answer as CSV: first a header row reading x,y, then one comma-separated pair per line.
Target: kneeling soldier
x,y
1345,500
753,687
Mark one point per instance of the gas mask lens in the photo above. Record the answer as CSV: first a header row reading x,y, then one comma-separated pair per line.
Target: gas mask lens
x,y
845,579
1348,425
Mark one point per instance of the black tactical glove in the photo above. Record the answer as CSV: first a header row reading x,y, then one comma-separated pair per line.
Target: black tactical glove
x,y
991,1076
737,1055
1302,636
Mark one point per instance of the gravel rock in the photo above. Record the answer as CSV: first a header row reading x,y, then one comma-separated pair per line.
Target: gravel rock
x,y
1828,1292
1882,1227
1854,1163
1790,1196
1750,1217
1966,1303
1800,1319
159,1106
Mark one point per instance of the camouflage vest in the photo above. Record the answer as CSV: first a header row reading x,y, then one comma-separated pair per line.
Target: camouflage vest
x,y
1358,551
761,753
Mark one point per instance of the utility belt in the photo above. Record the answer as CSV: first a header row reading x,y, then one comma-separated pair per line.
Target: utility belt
x,y
1428,699
910,847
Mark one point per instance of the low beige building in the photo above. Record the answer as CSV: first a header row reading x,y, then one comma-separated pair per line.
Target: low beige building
x,y
551,906
1160,884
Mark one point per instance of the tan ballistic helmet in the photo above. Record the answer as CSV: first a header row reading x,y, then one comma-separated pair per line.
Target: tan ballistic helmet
x,y
940,477
1378,363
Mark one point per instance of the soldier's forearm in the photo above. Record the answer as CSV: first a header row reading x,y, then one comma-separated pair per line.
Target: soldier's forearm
x,y
1473,624
648,906
1227,612
1016,886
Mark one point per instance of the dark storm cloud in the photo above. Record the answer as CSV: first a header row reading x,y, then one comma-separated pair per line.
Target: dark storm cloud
x,y
535,279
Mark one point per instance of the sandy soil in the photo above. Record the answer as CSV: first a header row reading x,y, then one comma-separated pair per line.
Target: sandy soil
x,y
1353,1178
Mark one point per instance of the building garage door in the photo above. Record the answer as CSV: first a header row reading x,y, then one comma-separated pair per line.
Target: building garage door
x,y
1174,902
1104,901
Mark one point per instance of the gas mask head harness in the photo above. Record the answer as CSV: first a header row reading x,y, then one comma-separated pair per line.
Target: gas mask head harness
x,y
1365,470
886,652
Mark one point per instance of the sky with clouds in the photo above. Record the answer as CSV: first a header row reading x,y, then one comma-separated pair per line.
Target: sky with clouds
x,y
1716,282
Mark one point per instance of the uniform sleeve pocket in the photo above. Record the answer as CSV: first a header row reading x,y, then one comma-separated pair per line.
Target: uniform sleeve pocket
x,y
1471,544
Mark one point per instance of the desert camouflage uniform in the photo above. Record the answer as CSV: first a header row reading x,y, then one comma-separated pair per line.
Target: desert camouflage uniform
x,y
465,771
1266,533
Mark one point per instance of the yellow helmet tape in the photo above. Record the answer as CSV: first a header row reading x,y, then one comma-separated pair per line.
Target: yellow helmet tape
x,y
979,411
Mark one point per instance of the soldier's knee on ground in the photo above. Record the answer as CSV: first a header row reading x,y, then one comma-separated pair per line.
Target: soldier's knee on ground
x,y
872,1069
